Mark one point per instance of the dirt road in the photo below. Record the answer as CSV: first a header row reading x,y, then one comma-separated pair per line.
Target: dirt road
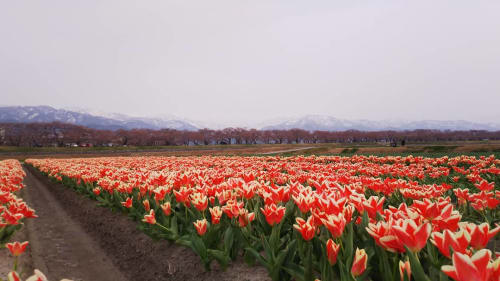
x,y
74,238
60,247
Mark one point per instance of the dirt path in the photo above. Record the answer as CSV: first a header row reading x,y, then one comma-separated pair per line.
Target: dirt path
x,y
74,238
59,245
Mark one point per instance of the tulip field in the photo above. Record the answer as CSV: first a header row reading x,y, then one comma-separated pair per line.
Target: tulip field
x,y
305,218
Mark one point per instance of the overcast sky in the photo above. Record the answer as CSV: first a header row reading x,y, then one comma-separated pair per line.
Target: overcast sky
x,y
242,61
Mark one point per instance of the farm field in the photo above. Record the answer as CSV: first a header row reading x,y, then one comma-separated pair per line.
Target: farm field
x,y
433,149
277,218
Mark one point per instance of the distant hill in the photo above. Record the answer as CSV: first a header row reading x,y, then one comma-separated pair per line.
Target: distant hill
x,y
26,114
113,121
328,123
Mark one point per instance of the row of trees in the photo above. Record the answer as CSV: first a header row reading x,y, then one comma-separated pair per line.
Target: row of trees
x,y
61,134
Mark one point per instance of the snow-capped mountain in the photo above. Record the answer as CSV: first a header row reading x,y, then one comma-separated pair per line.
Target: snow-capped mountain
x,y
25,114
116,121
328,123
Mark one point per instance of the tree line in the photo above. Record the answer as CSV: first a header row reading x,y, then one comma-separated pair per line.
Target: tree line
x,y
62,134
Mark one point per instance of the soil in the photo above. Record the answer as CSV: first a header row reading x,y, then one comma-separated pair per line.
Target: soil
x,y
74,238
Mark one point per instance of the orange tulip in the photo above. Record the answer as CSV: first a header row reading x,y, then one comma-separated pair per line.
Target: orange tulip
x,y
359,263
150,218
16,248
127,203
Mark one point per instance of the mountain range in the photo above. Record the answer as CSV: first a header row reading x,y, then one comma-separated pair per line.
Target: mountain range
x,y
114,121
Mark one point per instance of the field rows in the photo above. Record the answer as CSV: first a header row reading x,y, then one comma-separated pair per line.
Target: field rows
x,y
306,218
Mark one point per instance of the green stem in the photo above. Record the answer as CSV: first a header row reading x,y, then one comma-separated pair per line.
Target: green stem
x,y
161,226
16,260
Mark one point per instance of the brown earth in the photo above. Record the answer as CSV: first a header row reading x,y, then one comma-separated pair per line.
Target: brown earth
x,y
74,238
258,149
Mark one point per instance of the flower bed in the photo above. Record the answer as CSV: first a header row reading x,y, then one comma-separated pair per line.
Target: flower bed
x,y
331,218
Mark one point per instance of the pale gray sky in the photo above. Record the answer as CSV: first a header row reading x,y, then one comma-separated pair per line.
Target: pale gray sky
x,y
240,61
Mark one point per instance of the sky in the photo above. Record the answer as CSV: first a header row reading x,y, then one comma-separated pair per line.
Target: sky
x,y
241,62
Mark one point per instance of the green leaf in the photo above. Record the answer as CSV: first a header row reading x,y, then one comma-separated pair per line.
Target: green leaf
x,y
416,268
259,257
199,247
296,272
249,258
267,248
228,239
349,248
220,256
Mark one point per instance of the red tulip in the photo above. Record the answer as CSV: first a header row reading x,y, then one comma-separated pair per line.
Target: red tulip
x,y
481,234
245,217
199,201
495,268
332,250
182,196
485,186
12,219
458,241
385,237
201,226
96,191
462,195
150,218
248,190
475,268
304,202
404,268
273,213
146,205
166,208
359,263
306,228
373,205
39,276
335,224
412,236
16,248
232,208
127,203
160,193
13,276
216,214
